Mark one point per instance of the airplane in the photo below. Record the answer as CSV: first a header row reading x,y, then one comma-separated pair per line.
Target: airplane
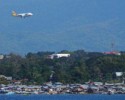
x,y
21,15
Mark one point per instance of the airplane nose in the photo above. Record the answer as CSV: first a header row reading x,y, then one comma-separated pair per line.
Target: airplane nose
x,y
31,14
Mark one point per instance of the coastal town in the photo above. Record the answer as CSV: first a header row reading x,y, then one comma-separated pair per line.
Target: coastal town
x,y
59,88
51,87
62,50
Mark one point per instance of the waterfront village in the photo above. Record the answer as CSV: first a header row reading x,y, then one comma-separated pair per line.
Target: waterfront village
x,y
17,87
59,88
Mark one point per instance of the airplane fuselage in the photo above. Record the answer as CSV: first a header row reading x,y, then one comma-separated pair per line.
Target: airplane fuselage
x,y
22,15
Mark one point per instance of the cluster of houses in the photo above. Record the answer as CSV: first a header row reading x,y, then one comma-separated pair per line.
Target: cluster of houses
x,y
60,88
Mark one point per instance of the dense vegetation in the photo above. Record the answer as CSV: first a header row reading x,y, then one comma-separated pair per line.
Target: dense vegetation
x,y
80,67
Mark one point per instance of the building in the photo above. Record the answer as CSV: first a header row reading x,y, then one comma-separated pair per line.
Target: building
x,y
7,78
113,53
58,56
1,57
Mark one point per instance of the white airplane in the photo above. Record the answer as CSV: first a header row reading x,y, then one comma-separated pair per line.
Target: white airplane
x,y
22,15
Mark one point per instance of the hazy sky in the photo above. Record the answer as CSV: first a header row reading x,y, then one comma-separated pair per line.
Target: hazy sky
x,y
52,12
52,16
63,8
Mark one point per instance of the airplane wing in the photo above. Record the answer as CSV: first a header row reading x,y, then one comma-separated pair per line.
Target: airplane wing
x,y
19,15
23,15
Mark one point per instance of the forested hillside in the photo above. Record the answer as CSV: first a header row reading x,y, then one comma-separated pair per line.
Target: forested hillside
x,y
80,67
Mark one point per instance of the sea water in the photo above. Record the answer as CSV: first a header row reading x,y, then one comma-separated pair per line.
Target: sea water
x,y
62,97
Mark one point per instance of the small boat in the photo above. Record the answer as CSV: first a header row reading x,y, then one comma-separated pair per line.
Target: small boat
x,y
10,93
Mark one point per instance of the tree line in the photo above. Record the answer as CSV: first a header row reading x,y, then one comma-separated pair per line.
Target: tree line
x,y
80,67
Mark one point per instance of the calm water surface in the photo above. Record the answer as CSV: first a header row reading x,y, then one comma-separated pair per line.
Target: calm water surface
x,y
62,97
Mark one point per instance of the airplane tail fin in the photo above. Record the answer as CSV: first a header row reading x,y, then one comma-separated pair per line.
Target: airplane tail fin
x,y
14,13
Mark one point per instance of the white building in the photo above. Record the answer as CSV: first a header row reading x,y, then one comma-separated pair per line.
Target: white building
x,y
7,78
58,55
1,57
